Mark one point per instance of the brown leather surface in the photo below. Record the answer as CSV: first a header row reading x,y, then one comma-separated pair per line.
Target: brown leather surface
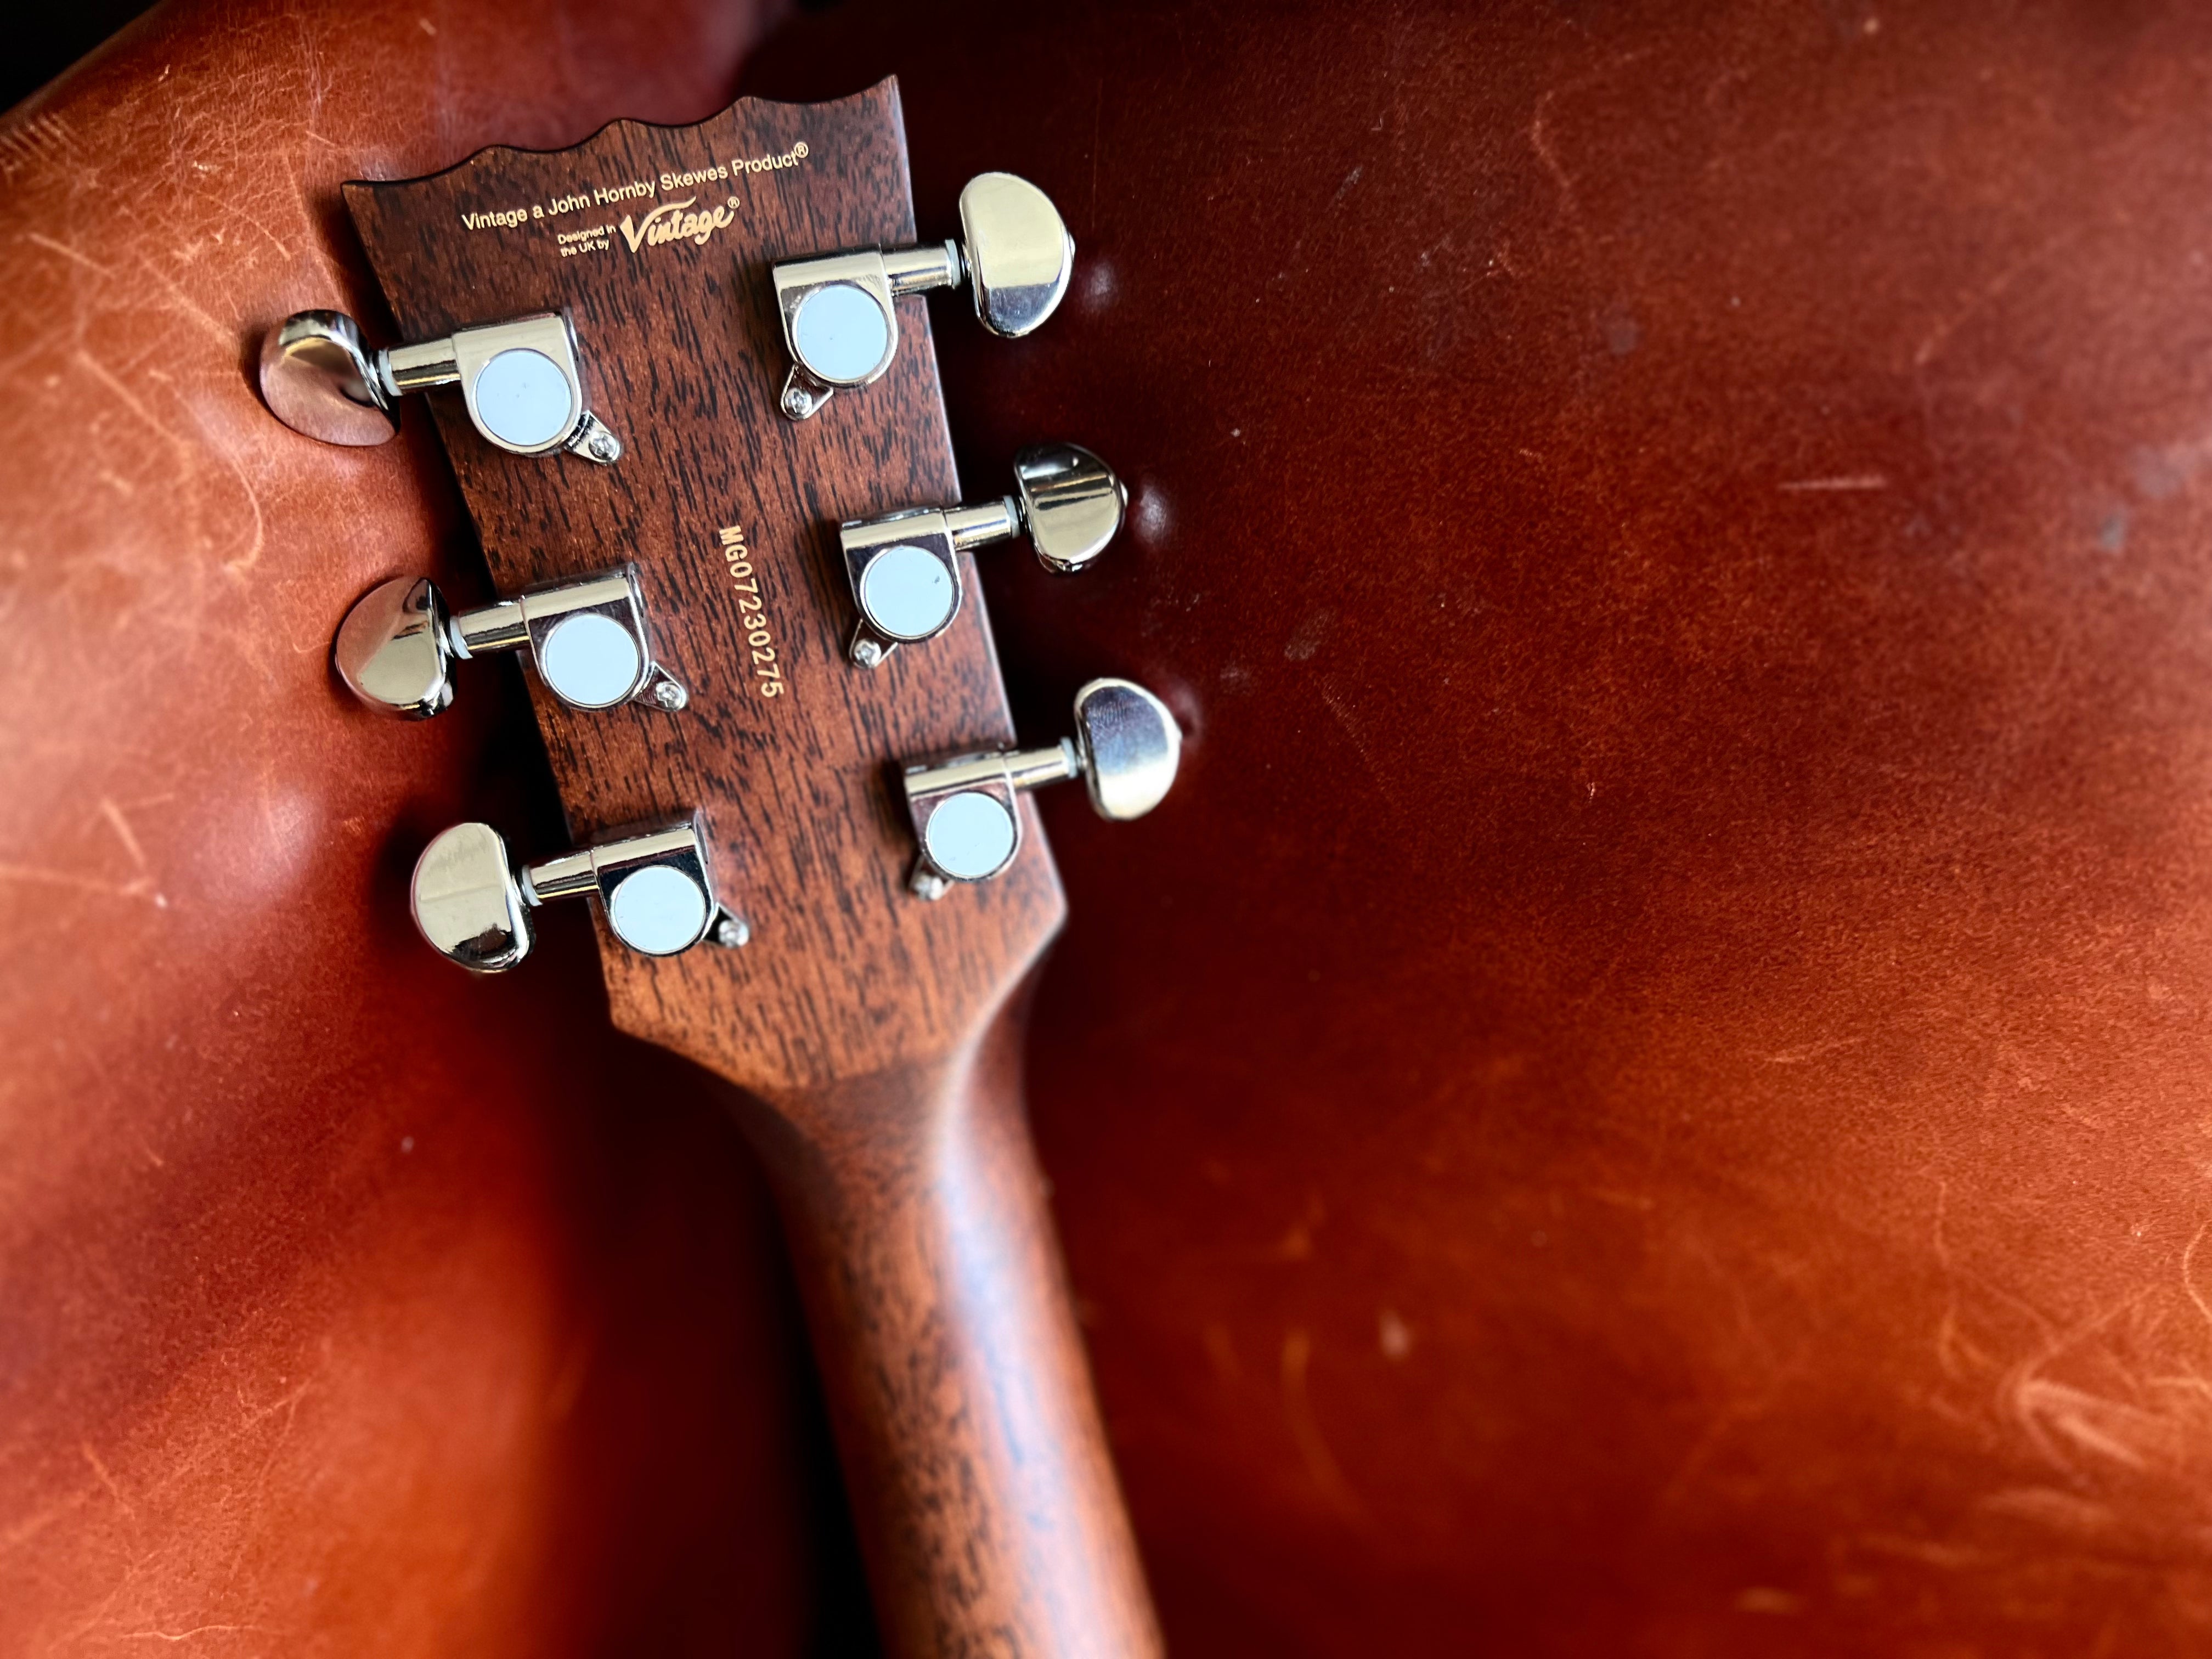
x,y
1646,1094
347,1306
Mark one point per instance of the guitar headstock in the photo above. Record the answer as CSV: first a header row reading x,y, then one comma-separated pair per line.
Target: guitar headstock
x,y
656,245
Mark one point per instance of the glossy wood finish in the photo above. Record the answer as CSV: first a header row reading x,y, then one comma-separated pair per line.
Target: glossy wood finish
x,y
976,1467
1646,1094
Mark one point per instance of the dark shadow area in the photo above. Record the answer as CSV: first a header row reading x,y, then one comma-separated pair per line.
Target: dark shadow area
x,y
43,40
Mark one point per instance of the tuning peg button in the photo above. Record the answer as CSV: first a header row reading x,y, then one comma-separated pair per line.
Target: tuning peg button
x,y
520,382
1126,748
398,646
656,888
904,566
320,380
839,321
467,903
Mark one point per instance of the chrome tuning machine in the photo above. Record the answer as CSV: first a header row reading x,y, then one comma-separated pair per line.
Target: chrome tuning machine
x,y
905,566
398,646
474,906
839,321
519,381
1126,748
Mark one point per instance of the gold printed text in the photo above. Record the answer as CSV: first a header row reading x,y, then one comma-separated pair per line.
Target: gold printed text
x,y
663,222
752,615
675,221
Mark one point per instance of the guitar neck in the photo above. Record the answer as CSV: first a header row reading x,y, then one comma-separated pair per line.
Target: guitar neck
x,y
988,1511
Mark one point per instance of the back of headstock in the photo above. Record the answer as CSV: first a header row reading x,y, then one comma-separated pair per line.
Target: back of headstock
x,y
767,683
785,750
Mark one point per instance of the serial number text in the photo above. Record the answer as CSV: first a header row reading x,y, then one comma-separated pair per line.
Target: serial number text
x,y
768,672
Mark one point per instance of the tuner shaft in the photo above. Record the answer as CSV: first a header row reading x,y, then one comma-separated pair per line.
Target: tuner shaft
x,y
980,526
418,367
918,270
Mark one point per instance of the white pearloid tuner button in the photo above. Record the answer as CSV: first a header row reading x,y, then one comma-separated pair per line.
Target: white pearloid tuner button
x,y
838,319
519,381
1126,748
905,566
472,904
397,646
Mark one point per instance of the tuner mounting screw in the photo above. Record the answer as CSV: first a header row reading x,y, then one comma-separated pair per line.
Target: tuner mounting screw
x,y
671,695
797,403
595,442
867,653
927,884
733,933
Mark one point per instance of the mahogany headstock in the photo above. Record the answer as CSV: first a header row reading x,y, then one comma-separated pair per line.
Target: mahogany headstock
x,y
788,750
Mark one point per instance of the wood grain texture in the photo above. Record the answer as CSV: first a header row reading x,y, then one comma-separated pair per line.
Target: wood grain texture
x,y
847,973
950,1354
860,1016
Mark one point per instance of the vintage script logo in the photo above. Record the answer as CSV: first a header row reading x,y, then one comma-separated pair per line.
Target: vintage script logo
x,y
675,221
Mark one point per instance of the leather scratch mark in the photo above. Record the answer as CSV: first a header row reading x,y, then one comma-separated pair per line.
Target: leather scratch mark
x,y
31,140
1939,335
1540,140
245,561
130,400
1297,1412
1548,153
2091,1422
34,1525
184,302
106,1479
1337,705
121,825
1701,1450
2109,1428
1855,481
39,875
2187,1280
180,1636
186,452
1810,1051
68,253
141,886
113,814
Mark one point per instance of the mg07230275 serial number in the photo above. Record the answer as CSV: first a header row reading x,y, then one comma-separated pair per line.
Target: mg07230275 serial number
x,y
752,615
